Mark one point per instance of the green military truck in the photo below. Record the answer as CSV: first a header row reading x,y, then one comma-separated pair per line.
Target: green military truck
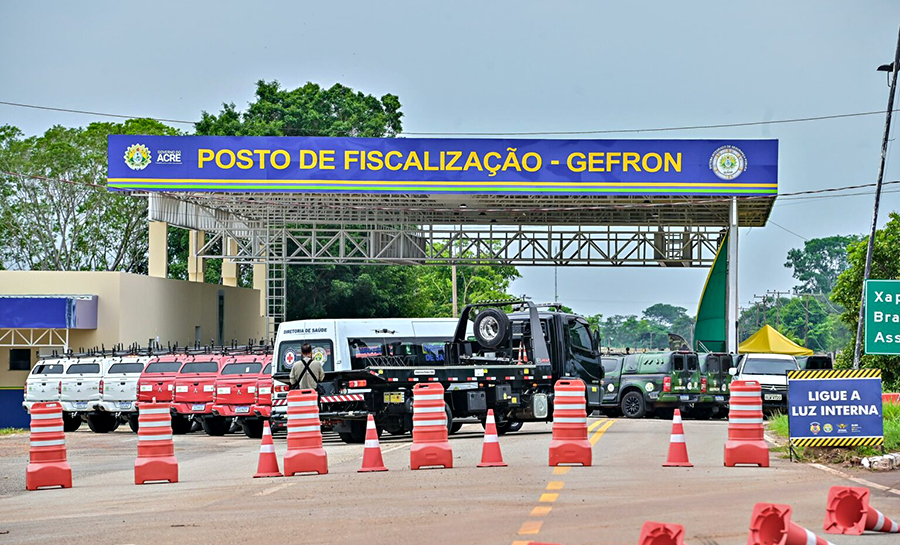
x,y
714,383
657,382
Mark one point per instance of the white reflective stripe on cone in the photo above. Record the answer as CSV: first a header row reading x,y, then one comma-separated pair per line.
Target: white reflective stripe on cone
x,y
427,397
894,528
267,448
738,393
441,422
676,419
53,443
565,420
302,404
490,419
370,425
745,420
303,416
676,438
491,439
300,429
164,410
370,443
417,410
569,393
754,408
880,524
267,431
46,429
154,424
48,416
166,437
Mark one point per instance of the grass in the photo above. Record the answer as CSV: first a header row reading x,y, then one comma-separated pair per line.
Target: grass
x,y
778,424
12,431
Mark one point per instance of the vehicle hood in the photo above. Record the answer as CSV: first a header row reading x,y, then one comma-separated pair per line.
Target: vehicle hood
x,y
777,380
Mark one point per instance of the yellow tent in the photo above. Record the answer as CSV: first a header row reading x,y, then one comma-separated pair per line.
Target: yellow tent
x,y
769,341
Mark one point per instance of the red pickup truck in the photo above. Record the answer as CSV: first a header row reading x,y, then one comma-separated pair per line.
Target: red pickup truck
x,y
195,388
157,384
236,388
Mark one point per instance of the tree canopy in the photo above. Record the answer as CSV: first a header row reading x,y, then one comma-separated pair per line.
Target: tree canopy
x,y
819,263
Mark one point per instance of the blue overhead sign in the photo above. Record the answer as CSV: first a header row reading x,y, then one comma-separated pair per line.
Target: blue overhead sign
x,y
835,408
431,165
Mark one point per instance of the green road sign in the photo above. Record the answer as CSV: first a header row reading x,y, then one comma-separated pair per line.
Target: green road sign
x,y
883,317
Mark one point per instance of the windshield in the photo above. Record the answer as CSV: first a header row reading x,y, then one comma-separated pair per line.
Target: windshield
x,y
200,367
126,368
164,367
242,369
81,368
267,370
764,366
47,369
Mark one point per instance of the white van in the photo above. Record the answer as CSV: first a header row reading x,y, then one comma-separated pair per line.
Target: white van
x,y
343,345
770,370
118,388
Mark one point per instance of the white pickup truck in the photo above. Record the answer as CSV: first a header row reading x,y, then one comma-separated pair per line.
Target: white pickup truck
x,y
79,392
118,390
770,370
43,384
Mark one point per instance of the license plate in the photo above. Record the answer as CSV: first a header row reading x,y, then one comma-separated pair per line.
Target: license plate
x,y
684,398
243,409
125,405
198,406
772,397
720,398
146,388
181,389
81,404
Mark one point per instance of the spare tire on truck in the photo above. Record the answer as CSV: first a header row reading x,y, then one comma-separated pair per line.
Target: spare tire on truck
x,y
491,327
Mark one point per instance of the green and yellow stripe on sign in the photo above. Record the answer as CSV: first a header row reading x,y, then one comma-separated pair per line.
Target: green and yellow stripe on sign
x,y
819,374
838,442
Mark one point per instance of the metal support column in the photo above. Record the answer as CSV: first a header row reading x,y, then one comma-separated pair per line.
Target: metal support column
x,y
731,313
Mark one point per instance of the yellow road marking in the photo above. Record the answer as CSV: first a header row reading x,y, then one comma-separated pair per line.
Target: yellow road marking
x,y
541,510
555,485
530,527
548,498
593,426
599,433
561,470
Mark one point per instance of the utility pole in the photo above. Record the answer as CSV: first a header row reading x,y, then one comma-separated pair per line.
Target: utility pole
x,y
453,282
765,304
556,284
893,68
778,295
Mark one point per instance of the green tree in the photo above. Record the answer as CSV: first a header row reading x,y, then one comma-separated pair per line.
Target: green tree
x,y
337,291
820,262
847,291
434,287
73,224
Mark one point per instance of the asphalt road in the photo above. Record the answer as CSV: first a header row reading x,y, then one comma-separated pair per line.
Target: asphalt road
x,y
218,501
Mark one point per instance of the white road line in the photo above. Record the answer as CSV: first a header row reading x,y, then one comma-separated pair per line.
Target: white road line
x,y
398,447
268,491
855,479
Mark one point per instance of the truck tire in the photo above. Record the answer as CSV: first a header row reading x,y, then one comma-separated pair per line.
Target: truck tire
x,y
703,413
502,424
181,424
633,405
71,421
491,327
253,428
357,433
455,427
102,422
215,426
516,425
133,423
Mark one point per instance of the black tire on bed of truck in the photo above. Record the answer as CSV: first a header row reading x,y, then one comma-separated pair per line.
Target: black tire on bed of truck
x,y
491,327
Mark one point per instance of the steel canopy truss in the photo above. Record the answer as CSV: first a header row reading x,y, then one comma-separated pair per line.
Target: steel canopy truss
x,y
34,337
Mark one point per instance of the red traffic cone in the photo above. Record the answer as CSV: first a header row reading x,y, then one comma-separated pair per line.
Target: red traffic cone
x,y
771,524
849,512
490,452
658,533
372,460
678,456
268,460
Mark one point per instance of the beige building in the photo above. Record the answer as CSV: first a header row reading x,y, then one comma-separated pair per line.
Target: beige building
x,y
112,308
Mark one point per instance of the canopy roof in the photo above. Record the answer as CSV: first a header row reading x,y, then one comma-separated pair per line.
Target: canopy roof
x,y
769,341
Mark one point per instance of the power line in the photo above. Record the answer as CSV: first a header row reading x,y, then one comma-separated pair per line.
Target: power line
x,y
101,114
787,230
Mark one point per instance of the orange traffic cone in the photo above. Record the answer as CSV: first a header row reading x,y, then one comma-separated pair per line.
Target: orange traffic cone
x,y
372,460
678,456
849,512
268,460
490,452
771,524
658,533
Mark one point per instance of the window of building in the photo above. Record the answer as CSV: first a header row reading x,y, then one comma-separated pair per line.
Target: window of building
x,y
19,359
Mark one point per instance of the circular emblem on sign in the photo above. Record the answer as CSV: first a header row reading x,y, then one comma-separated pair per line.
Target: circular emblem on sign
x,y
649,387
815,428
611,388
137,157
728,162
289,359
319,354
828,428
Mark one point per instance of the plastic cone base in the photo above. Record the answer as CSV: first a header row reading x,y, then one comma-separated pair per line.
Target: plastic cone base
x,y
746,452
658,533
570,451
48,474
430,454
311,460
156,469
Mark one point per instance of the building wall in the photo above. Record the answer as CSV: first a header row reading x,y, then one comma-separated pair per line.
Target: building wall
x,y
132,308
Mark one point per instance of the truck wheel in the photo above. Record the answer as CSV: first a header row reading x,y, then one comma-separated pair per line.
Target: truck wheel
x,y
516,425
133,423
502,424
633,405
455,427
450,423
704,413
102,422
357,433
215,426
71,421
195,426
181,424
491,327
253,428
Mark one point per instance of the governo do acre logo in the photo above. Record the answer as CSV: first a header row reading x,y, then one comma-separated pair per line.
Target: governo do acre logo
x,y
728,162
137,157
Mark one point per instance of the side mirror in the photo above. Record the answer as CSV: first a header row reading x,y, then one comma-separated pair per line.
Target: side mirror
x,y
597,344
732,371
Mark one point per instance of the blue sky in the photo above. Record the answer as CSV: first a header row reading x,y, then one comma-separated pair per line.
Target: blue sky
x,y
507,66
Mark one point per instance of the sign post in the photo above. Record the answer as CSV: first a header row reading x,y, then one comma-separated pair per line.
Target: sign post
x,y
835,408
882,318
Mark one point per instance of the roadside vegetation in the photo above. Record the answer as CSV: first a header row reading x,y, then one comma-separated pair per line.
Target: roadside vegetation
x,y
12,431
778,424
